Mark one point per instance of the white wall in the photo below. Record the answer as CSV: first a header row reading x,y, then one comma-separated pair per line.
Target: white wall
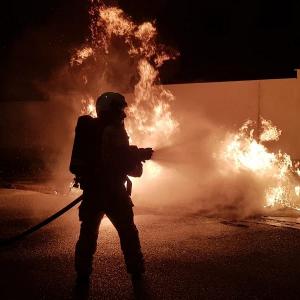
x,y
228,104
225,104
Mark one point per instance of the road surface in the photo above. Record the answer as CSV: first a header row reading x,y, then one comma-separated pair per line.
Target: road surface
x,y
187,256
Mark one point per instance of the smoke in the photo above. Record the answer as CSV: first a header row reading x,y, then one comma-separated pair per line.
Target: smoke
x,y
193,180
68,90
185,176
118,56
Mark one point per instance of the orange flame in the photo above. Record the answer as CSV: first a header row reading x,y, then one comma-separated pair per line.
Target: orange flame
x,y
270,132
88,107
150,116
81,55
243,153
150,121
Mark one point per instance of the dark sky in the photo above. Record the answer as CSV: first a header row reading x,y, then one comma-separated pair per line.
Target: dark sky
x,y
218,40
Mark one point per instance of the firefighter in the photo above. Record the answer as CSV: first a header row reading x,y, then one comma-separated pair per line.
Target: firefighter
x,y
101,160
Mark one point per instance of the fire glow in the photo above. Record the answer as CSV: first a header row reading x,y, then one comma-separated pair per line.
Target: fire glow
x,y
242,152
150,121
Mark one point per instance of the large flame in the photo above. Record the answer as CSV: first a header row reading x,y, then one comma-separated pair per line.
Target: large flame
x,y
242,152
150,122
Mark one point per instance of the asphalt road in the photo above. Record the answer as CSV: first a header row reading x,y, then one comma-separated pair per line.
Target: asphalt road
x,y
187,257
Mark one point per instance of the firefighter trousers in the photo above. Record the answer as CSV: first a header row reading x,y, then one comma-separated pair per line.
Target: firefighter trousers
x,y
122,219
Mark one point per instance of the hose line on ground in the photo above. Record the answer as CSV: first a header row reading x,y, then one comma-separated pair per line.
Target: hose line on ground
x,y
10,240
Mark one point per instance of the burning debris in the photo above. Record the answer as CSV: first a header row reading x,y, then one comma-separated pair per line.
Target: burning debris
x,y
150,119
242,152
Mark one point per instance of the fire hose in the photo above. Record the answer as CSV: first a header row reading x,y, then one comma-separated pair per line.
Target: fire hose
x,y
10,240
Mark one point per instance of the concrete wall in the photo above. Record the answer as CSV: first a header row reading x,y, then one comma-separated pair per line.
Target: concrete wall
x,y
229,104
225,104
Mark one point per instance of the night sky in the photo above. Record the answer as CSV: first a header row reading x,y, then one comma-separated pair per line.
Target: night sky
x,y
218,40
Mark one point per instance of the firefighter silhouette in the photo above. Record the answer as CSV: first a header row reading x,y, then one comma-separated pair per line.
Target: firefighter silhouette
x,y
102,159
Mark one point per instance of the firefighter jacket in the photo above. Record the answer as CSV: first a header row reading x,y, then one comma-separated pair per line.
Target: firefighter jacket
x,y
102,155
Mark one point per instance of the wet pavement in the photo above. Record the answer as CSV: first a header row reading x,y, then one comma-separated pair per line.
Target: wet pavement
x,y
187,257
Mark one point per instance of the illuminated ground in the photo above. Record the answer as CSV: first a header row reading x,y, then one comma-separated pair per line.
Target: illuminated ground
x,y
188,257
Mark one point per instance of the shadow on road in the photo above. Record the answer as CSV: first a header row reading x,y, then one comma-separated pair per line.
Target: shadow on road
x,y
81,291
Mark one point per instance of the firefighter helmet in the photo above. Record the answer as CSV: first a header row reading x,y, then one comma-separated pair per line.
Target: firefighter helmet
x,y
110,101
